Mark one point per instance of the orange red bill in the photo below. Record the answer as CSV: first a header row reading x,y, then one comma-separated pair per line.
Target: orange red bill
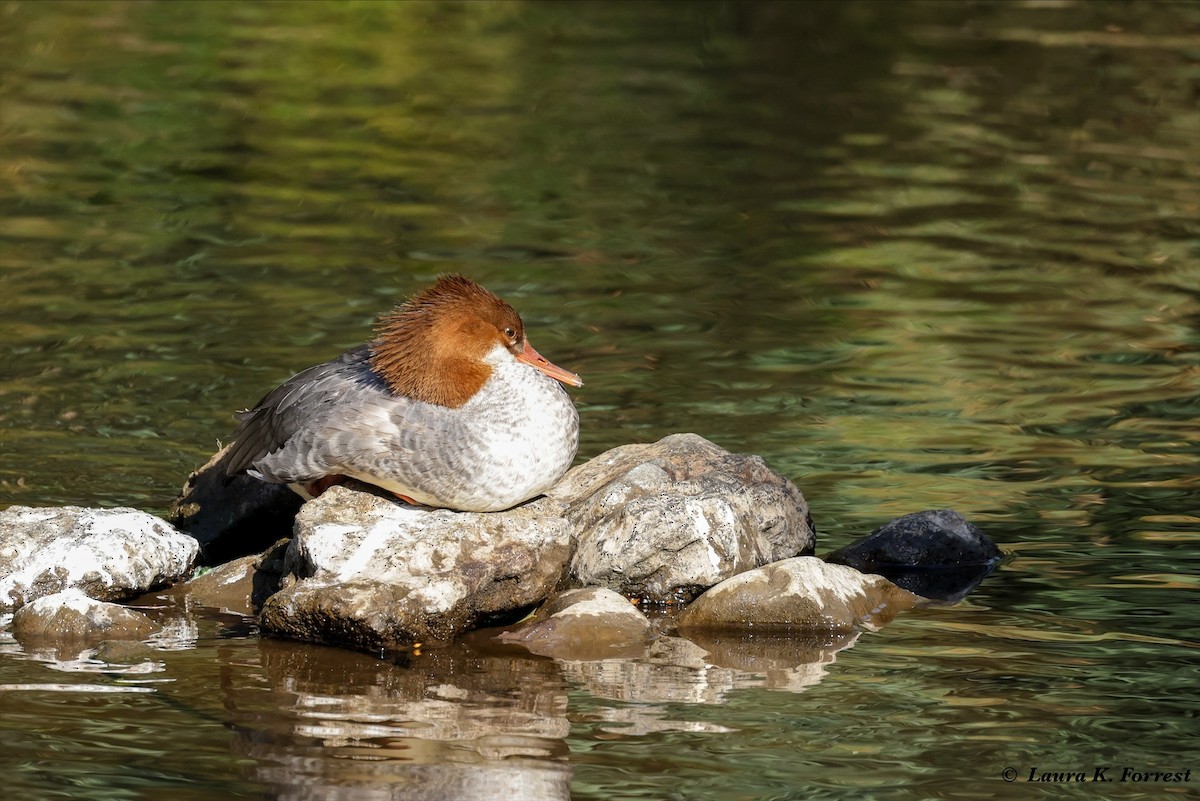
x,y
532,357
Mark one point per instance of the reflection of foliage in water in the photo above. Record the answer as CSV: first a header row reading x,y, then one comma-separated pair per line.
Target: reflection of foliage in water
x,y
917,255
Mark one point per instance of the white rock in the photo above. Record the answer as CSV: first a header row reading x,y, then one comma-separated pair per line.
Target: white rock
x,y
667,520
372,573
109,554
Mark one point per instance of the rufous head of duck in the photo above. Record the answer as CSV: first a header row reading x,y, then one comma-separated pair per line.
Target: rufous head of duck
x,y
436,346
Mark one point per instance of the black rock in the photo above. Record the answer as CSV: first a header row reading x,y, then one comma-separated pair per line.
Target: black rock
x,y
234,518
936,554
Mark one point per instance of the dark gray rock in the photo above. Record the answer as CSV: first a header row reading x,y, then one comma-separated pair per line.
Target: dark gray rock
x,y
667,520
936,554
804,593
232,519
109,554
935,538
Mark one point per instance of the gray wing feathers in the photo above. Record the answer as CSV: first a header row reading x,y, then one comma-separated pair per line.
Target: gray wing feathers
x,y
277,418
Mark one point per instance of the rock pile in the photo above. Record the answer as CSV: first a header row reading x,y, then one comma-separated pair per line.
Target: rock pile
x,y
680,521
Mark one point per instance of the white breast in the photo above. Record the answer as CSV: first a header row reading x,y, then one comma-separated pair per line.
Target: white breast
x,y
521,431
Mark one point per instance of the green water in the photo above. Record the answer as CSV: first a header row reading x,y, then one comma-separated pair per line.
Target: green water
x,y
915,255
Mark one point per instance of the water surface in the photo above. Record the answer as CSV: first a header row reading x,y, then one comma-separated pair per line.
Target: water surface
x,y
915,255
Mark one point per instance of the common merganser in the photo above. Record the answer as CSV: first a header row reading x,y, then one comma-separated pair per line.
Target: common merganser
x,y
449,407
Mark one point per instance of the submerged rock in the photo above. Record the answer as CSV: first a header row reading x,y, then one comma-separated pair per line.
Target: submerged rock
x,y
109,554
936,554
72,618
581,624
667,520
236,519
372,573
801,593
239,587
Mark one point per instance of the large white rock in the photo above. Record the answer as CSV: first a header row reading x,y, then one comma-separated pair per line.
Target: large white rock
x,y
109,554
373,573
667,520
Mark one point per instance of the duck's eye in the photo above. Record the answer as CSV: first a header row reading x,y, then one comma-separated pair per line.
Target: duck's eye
x,y
511,333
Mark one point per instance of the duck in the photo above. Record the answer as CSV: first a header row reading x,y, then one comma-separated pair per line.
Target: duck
x,y
449,407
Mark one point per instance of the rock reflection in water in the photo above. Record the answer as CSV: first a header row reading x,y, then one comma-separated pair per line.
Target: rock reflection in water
x,y
706,668
478,720
474,720
449,725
